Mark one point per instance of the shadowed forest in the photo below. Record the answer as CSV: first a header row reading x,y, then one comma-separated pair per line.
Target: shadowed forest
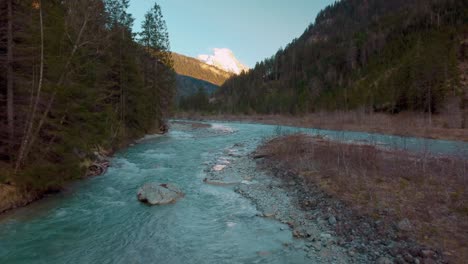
x,y
75,81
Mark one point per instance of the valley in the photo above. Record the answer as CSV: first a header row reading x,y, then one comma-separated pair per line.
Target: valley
x,y
234,131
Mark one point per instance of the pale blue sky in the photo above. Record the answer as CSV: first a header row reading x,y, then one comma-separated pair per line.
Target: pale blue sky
x,y
252,29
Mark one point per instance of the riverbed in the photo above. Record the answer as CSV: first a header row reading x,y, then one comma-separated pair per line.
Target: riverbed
x,y
99,220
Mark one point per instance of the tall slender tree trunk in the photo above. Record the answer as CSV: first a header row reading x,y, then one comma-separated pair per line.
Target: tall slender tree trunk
x,y
10,80
121,84
25,143
429,106
276,69
31,135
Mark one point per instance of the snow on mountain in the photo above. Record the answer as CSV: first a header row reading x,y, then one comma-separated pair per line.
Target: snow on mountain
x,y
224,59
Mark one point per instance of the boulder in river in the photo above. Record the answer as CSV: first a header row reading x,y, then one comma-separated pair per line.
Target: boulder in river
x,y
159,193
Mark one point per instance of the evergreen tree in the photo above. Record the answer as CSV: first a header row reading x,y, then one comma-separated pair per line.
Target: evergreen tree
x,y
154,35
117,12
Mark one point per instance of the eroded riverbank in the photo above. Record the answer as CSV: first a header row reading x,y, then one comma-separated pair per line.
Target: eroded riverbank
x,y
13,196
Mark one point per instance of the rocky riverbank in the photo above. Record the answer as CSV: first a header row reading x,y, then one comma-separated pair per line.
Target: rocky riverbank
x,y
328,230
410,206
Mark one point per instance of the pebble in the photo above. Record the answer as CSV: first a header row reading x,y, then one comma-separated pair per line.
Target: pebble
x,y
296,234
384,260
269,214
427,253
429,261
317,246
405,225
219,167
311,255
408,258
332,220
325,236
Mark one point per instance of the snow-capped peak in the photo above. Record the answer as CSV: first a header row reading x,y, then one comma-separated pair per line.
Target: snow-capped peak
x,y
224,59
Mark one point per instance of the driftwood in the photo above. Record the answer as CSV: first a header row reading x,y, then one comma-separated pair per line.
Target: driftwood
x,y
97,168
163,129
259,156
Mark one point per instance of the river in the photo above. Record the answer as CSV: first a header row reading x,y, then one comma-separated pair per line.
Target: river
x,y
99,220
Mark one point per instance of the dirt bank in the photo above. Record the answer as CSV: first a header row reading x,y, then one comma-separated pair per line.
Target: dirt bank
x,y
12,196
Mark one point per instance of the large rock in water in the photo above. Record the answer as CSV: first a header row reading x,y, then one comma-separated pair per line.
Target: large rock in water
x,y
159,193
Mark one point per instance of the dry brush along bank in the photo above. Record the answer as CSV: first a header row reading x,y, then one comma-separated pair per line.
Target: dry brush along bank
x,y
390,197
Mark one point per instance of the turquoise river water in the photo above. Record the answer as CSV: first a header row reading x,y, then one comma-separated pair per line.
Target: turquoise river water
x,y
99,220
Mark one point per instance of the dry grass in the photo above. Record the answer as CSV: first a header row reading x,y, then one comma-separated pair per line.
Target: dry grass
x,y
387,185
12,197
443,126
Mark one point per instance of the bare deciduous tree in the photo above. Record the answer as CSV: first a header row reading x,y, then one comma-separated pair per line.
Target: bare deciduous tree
x,y
10,78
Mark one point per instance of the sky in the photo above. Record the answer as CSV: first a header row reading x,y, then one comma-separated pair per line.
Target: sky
x,y
252,29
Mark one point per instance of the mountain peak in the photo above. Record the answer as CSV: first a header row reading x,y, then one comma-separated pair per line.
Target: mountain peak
x,y
224,58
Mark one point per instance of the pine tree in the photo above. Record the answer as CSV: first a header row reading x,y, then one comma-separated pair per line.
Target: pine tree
x,y
154,35
155,40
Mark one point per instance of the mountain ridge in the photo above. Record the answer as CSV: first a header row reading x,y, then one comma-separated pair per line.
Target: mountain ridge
x,y
192,67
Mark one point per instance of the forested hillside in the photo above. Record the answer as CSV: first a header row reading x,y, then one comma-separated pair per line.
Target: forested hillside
x,y
187,86
75,80
373,55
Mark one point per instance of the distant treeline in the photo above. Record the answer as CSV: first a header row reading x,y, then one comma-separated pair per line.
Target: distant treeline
x,y
75,79
187,86
374,55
